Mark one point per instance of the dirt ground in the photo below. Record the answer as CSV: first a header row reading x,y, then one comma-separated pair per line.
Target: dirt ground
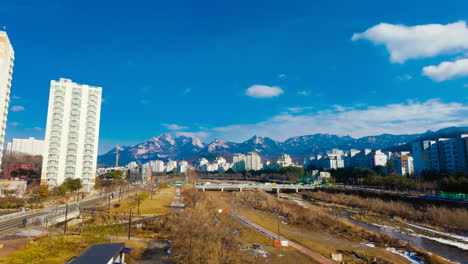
x,y
317,241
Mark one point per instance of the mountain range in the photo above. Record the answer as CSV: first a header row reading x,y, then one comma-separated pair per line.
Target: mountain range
x,y
165,146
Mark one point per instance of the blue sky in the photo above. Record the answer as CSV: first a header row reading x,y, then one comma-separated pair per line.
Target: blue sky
x,y
232,69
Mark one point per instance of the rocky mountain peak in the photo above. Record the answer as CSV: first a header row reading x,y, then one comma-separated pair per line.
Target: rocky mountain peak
x,y
166,147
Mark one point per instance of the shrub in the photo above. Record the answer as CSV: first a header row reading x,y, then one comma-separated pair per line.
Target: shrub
x,y
436,215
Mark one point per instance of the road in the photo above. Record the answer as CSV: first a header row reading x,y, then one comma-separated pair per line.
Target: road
x,y
314,255
21,220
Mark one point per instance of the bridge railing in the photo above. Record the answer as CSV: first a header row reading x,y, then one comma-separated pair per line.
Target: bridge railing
x,y
14,215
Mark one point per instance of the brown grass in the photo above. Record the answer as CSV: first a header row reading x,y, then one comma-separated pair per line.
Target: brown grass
x,y
433,215
160,204
320,220
315,218
58,249
200,235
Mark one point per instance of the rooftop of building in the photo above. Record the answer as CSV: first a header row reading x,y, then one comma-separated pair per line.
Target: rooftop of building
x,y
65,80
99,253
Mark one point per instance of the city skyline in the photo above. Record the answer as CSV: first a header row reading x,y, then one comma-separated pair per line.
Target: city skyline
x,y
273,69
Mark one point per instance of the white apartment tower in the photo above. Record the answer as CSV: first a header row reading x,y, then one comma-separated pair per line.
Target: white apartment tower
x,y
253,161
238,162
72,133
7,56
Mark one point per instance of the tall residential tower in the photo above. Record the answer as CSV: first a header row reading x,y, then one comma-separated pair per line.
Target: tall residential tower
x,y
7,57
72,133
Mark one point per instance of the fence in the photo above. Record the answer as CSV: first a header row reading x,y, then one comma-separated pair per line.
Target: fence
x,y
454,195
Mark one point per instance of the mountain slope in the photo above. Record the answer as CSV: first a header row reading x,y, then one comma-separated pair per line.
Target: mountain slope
x,y
166,147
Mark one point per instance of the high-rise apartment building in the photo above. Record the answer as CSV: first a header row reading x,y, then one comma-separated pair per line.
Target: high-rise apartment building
x,y
7,56
253,161
157,166
445,154
72,133
30,146
422,155
238,162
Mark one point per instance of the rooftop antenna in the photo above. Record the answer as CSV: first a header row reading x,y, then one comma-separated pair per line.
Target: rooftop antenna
x,y
117,156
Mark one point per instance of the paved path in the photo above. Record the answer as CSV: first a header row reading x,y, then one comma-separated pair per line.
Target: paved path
x,y
316,256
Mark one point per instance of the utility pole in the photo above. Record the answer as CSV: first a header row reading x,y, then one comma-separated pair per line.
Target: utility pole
x,y
279,240
138,200
129,223
66,216
278,223
108,205
151,191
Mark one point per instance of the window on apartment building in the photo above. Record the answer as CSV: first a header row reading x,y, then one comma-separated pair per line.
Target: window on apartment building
x,y
72,146
52,168
52,162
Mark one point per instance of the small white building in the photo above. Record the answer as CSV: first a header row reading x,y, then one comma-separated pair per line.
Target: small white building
x,y
30,146
12,188
104,170
171,165
403,164
284,160
132,165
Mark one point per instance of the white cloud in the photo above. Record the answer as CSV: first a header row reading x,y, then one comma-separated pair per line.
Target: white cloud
x,y
263,91
340,108
304,93
411,42
14,124
282,76
403,118
447,70
17,108
299,109
174,127
200,134
405,77
33,128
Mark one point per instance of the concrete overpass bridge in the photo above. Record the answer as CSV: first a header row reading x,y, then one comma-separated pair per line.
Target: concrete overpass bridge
x,y
253,186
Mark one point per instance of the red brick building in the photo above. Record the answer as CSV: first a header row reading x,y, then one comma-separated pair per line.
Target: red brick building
x,y
7,170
